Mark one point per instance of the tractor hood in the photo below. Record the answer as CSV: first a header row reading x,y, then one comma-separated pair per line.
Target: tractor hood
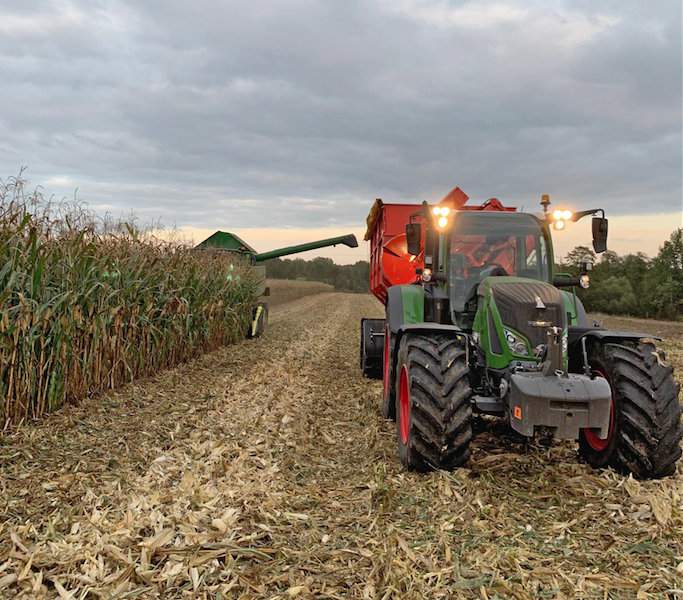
x,y
527,306
517,313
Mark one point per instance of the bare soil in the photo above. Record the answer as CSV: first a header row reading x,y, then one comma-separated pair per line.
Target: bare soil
x,y
287,290
264,470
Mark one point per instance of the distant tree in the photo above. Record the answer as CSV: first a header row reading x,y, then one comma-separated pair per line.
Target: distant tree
x,y
633,284
578,255
351,278
614,295
636,267
665,278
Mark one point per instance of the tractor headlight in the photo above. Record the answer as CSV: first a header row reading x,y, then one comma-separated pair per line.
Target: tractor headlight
x,y
516,345
585,281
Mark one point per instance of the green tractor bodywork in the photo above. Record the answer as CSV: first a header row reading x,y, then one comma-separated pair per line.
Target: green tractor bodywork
x,y
499,336
231,243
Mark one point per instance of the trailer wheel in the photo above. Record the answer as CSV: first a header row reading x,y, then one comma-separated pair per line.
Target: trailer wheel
x,y
371,347
434,414
389,379
259,320
645,424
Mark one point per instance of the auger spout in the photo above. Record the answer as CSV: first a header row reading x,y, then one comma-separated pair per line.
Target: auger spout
x,y
345,240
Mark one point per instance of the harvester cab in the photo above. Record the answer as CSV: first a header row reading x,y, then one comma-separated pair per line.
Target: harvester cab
x,y
477,321
231,243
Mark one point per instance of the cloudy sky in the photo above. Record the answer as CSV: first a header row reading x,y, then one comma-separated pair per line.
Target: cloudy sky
x,y
296,114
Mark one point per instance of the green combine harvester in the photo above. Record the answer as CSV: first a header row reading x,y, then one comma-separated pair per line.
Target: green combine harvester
x,y
232,243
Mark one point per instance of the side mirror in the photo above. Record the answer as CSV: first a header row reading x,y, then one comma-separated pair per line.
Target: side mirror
x,y
599,234
414,238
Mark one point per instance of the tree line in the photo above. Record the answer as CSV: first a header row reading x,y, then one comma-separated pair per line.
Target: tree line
x,y
348,278
633,284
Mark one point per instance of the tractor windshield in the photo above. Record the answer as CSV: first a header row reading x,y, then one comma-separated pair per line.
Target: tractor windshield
x,y
487,244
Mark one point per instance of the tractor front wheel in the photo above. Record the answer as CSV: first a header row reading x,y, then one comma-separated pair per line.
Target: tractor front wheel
x,y
433,410
645,422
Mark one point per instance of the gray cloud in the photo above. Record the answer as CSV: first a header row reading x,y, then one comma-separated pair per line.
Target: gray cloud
x,y
301,112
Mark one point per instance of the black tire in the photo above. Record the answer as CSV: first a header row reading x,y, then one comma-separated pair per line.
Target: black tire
x,y
434,422
645,432
388,409
259,320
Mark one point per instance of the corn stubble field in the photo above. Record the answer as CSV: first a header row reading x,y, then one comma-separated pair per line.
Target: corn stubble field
x,y
264,470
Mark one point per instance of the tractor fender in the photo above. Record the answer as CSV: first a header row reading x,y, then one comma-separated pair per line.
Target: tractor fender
x,y
576,334
431,328
405,314
405,305
576,313
427,328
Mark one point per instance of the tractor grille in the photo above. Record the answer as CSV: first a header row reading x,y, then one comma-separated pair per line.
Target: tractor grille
x,y
517,305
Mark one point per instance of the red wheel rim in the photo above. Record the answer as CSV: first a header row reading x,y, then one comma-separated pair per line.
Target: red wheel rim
x,y
404,406
386,361
592,438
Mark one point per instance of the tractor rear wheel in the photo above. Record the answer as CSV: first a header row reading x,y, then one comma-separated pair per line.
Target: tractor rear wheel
x,y
645,423
434,414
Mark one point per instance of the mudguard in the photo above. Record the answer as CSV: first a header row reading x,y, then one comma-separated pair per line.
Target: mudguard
x,y
405,306
576,313
405,314
605,335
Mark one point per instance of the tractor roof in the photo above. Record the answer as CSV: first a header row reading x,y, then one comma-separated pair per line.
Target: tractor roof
x,y
222,240
396,216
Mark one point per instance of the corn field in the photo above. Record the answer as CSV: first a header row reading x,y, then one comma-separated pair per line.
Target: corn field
x,y
86,307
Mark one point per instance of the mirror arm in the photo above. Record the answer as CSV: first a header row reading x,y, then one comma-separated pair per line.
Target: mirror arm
x,y
584,213
564,281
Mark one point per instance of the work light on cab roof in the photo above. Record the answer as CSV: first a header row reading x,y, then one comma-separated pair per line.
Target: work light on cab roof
x,y
477,320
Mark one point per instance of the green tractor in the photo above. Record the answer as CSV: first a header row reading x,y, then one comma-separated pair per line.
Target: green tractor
x,y
478,322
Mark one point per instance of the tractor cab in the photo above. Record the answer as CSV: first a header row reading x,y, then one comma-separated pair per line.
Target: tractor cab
x,y
494,244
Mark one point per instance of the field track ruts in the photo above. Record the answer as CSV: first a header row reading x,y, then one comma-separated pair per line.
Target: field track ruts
x,y
264,470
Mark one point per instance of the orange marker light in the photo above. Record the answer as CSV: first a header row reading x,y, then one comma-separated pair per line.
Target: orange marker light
x,y
517,412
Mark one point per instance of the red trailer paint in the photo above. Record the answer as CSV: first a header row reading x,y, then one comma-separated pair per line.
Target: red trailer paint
x,y
390,262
